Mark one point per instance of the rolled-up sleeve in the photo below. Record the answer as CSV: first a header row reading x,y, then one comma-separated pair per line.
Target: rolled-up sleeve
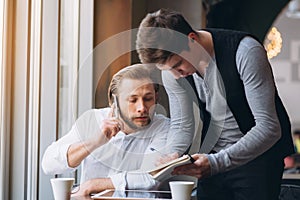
x,y
132,180
55,157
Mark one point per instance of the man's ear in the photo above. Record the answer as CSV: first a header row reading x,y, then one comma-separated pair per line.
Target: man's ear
x,y
192,36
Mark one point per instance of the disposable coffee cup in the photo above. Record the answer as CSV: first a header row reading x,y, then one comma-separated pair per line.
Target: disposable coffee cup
x,y
181,190
62,188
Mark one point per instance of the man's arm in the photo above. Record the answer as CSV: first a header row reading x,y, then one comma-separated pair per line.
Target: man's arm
x,y
54,159
138,181
94,186
256,74
182,128
79,151
68,152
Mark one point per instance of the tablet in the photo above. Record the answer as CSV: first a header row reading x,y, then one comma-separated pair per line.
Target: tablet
x,y
133,194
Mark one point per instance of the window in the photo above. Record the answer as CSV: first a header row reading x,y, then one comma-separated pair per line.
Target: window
x,y
66,90
4,99
36,48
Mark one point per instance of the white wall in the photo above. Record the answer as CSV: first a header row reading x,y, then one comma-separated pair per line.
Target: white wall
x,y
286,66
191,9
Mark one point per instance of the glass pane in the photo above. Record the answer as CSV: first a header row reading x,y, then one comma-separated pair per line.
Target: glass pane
x,y
1,50
69,21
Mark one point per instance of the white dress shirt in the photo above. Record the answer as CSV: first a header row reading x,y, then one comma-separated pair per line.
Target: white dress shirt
x,y
117,159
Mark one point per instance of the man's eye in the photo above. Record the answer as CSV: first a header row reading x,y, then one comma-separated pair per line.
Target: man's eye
x,y
177,65
148,99
132,100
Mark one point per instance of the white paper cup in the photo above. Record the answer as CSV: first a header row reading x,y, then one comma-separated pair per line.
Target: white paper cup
x,y
62,188
181,190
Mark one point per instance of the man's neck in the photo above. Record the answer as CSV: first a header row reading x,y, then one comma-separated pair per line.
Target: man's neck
x,y
205,40
128,130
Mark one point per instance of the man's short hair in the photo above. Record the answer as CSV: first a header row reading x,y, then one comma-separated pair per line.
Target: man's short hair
x,y
136,72
162,34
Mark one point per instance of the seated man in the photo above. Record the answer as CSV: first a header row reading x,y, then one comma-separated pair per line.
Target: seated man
x,y
112,142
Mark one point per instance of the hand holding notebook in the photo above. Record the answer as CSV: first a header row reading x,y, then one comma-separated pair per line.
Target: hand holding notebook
x,y
162,172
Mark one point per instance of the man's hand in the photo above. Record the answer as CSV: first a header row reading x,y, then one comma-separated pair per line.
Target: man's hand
x,y
79,151
93,186
166,158
199,169
111,126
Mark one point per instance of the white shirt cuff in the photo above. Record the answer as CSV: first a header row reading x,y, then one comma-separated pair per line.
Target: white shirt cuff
x,y
119,181
63,155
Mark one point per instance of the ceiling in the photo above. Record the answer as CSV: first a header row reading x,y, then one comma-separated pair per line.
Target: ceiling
x,y
254,16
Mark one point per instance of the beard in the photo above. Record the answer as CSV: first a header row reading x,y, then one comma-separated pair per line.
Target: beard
x,y
129,121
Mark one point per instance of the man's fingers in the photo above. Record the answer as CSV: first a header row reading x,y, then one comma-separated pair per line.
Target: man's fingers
x,y
111,127
112,131
166,158
200,168
111,112
188,169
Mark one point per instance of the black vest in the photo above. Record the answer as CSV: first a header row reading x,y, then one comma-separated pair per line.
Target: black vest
x,y
225,45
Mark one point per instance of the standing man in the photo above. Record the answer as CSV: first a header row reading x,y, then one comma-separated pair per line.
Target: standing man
x,y
111,142
246,131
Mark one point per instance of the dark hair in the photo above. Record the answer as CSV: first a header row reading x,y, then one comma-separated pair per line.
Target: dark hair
x,y
162,34
136,71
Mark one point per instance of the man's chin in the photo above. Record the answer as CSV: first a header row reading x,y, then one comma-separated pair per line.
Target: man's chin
x,y
141,125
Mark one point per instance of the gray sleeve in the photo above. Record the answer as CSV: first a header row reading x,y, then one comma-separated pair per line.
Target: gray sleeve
x,y
256,74
181,132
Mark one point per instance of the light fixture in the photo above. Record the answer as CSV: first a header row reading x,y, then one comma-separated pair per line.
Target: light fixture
x,y
273,43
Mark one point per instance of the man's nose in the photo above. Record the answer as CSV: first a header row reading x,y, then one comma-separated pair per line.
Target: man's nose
x,y
176,73
179,74
141,107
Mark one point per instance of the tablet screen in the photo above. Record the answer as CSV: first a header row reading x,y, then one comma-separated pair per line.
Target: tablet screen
x,y
133,194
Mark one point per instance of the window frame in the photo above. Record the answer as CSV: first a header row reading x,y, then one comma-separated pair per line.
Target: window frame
x,y
29,90
50,57
6,11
